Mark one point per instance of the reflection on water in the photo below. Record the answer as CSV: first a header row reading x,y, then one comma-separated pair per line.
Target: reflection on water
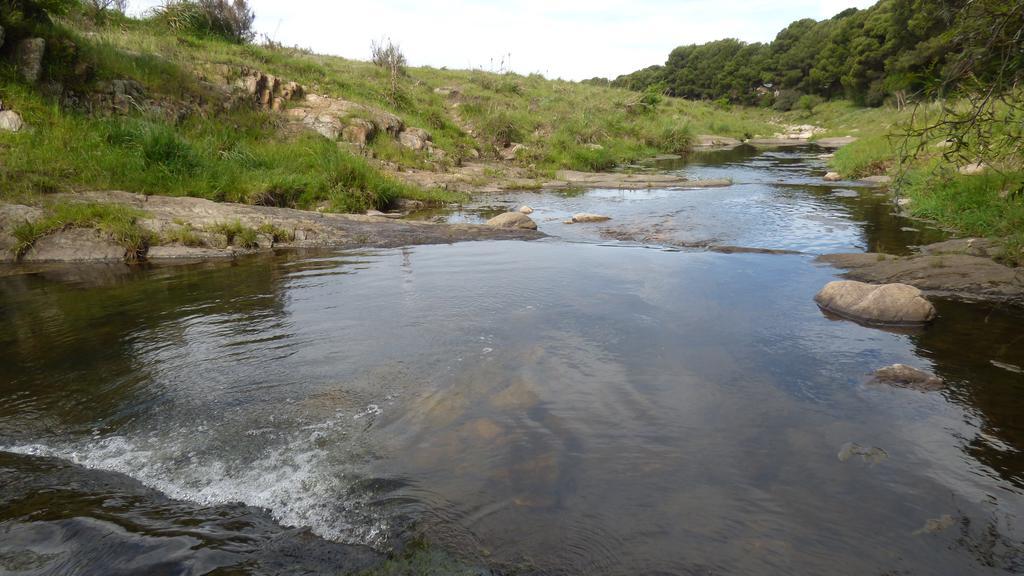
x,y
548,407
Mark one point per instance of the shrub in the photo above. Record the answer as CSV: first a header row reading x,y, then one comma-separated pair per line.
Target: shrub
x,y
230,20
786,99
808,102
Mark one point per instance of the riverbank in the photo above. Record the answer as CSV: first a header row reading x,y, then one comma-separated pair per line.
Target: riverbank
x,y
121,226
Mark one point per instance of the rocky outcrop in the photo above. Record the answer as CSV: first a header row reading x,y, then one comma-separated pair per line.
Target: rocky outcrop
x,y
334,118
516,220
584,217
11,121
888,304
414,139
268,92
29,59
164,215
118,96
905,376
959,268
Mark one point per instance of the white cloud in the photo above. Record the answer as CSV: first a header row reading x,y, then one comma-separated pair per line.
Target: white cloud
x,y
572,39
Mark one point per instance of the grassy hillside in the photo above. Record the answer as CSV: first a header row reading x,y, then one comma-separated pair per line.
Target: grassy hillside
x,y
197,148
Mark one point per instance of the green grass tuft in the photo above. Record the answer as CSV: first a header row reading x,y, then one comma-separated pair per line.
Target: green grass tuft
x,y
117,220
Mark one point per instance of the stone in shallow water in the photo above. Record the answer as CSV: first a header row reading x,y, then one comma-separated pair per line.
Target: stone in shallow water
x,y
526,210
870,454
908,377
587,217
512,220
890,304
933,525
833,177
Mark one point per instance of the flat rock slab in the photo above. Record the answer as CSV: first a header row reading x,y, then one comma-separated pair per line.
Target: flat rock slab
x,y
310,229
574,179
960,275
835,142
886,305
75,245
713,142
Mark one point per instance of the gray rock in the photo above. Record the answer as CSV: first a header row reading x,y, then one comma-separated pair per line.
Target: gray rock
x,y
75,245
584,217
359,131
889,304
877,180
414,138
973,169
12,215
176,252
11,121
908,377
29,57
513,220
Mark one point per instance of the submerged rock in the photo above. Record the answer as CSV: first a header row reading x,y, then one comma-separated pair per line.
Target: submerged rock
x,y
513,220
933,525
584,217
869,454
908,377
890,304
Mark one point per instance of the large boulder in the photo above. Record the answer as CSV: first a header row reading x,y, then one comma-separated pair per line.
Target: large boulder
x,y
890,304
10,121
29,57
513,220
907,377
414,138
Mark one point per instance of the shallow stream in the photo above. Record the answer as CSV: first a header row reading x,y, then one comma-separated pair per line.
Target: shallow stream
x,y
620,398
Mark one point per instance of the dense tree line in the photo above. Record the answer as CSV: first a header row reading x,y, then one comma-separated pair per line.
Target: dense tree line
x,y
895,49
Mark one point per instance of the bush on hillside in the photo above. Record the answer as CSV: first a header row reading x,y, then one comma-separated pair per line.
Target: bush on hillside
x,y
220,18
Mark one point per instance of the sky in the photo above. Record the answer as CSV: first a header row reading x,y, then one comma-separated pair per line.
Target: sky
x,y
570,39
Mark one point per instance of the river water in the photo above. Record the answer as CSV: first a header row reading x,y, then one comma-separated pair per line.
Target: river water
x,y
619,398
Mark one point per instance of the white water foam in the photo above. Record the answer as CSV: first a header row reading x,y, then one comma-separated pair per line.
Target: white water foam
x,y
295,482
